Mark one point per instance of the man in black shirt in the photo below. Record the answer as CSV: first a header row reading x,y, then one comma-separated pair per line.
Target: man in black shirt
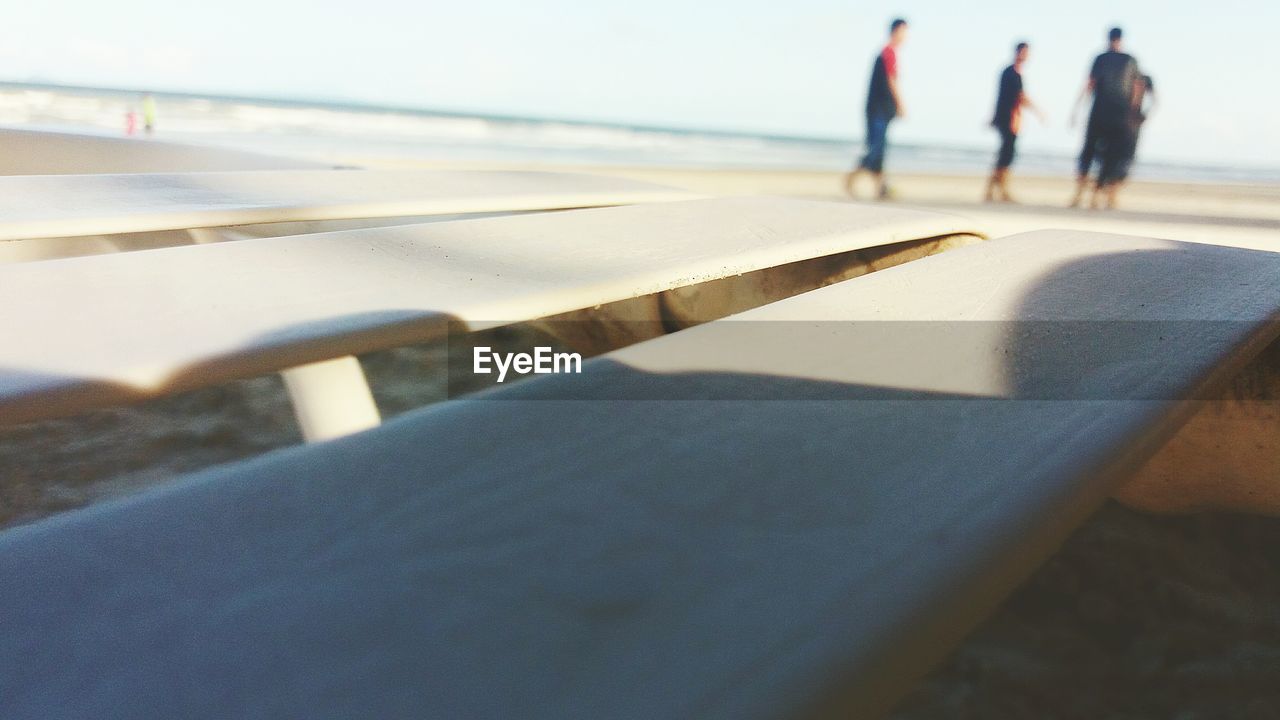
x,y
1117,87
883,105
1007,121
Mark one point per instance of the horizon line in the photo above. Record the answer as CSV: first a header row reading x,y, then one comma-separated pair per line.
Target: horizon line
x,y
368,106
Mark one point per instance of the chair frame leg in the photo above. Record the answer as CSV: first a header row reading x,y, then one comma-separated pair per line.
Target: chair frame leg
x,y
331,399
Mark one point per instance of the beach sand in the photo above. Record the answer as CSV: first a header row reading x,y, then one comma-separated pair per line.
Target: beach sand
x,y
1138,616
1240,215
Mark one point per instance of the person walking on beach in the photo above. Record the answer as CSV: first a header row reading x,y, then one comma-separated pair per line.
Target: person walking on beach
x,y
1117,87
1010,101
148,113
884,103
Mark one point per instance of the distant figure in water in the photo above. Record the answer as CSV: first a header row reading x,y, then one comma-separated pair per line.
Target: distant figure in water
x,y
1117,87
149,113
884,103
1010,101
130,122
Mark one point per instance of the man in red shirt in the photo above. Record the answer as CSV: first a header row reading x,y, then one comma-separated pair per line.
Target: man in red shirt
x,y
884,103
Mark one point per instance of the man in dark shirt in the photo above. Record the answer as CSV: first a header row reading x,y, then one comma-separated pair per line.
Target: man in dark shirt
x,y
1117,87
1007,121
883,105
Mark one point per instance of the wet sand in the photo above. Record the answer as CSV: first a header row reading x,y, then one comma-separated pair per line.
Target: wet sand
x,y
1138,616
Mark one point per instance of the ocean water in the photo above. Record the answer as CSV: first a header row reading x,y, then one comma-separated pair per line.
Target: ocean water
x,y
334,131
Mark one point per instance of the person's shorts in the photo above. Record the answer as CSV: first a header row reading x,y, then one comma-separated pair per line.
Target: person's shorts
x,y
1117,143
1008,143
877,142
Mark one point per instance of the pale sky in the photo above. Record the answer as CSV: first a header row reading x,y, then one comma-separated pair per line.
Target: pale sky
x,y
796,68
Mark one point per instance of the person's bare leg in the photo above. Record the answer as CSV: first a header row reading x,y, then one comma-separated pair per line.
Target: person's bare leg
x,y
1003,182
1113,190
882,187
990,195
1082,183
849,180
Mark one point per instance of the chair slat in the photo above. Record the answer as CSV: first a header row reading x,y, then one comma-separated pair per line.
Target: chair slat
x,y
51,206
92,331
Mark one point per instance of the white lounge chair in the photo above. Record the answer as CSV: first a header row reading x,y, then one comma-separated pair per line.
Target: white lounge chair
x,y
791,512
